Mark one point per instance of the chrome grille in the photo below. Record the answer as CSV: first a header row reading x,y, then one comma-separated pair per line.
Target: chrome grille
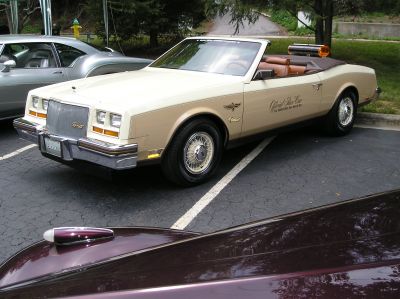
x,y
65,120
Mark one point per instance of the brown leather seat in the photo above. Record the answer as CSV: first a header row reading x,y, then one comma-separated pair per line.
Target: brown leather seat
x,y
297,70
279,65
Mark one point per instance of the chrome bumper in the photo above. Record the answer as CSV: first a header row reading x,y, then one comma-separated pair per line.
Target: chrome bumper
x,y
97,152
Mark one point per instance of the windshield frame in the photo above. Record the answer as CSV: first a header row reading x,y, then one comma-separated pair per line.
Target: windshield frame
x,y
262,45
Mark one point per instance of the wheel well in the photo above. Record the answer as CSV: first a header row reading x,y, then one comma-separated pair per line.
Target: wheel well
x,y
352,89
220,124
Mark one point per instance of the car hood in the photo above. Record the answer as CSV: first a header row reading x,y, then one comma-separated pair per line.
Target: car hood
x,y
143,90
340,238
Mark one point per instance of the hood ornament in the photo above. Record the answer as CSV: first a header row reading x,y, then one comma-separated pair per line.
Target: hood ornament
x,y
73,88
76,235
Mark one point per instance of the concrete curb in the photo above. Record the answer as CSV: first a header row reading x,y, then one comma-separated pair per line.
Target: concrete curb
x,y
378,119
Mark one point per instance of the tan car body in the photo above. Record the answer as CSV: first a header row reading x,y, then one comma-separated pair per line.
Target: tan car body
x,y
155,103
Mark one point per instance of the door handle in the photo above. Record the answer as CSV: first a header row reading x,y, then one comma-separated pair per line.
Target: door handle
x,y
317,86
57,72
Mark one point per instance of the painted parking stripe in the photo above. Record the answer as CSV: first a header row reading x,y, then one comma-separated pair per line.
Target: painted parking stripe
x,y
188,217
377,127
17,152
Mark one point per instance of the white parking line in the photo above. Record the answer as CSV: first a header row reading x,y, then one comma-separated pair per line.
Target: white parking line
x,y
377,127
188,217
17,152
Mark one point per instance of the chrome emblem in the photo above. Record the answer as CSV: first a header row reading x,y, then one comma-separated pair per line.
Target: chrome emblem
x,y
77,125
232,106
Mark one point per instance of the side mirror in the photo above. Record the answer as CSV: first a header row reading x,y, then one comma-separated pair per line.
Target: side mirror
x,y
264,74
8,65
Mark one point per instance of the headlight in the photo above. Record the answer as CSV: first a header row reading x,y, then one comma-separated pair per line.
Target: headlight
x,y
35,102
115,120
45,104
100,117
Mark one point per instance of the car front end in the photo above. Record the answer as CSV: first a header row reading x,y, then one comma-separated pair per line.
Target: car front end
x,y
67,132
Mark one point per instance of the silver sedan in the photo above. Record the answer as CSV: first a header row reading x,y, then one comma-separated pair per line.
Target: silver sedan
x,y
28,62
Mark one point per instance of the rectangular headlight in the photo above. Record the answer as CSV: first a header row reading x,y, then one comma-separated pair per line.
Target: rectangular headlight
x,y
45,104
100,117
115,120
35,102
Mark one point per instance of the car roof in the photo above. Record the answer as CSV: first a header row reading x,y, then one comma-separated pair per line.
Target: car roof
x,y
22,38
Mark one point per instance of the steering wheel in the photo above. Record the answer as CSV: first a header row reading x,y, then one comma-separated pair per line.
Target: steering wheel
x,y
237,66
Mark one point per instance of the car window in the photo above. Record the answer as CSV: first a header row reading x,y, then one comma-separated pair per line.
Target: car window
x,y
30,55
212,56
68,54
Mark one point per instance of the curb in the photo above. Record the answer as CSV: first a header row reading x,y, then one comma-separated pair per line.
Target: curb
x,y
378,119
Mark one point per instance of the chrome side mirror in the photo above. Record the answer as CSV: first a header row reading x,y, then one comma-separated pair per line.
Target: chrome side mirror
x,y
8,65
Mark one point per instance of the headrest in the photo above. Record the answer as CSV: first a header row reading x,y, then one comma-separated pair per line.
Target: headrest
x,y
278,60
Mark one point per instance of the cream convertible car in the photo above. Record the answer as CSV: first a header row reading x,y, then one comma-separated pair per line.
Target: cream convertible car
x,y
186,107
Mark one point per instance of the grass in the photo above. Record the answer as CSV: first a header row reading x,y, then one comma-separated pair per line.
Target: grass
x,y
384,57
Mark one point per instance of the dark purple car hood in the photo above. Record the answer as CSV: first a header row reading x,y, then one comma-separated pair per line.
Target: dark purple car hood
x,y
352,248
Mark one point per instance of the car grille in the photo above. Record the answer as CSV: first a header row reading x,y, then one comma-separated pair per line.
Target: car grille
x,y
66,120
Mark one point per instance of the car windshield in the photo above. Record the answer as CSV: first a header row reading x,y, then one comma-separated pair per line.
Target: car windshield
x,y
212,56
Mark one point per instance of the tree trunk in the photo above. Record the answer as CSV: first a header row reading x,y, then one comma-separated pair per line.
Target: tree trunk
x,y
319,22
328,23
8,14
153,38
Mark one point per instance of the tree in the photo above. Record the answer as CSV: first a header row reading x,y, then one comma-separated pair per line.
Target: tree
x,y
27,9
151,17
322,11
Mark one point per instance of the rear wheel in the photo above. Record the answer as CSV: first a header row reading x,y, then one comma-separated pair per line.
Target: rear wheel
x,y
194,153
340,119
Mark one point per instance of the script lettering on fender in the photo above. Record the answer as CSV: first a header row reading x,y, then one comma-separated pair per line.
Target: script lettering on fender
x,y
286,104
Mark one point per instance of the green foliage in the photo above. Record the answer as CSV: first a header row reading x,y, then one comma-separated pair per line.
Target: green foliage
x,y
152,17
285,19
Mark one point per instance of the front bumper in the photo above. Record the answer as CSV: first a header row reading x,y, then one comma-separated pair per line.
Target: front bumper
x,y
101,153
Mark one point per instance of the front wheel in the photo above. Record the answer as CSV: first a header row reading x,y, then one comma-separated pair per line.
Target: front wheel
x,y
340,119
194,153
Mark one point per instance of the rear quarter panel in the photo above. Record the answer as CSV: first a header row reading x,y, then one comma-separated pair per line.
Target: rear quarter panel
x,y
337,79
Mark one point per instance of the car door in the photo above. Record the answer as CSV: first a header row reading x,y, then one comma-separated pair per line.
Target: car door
x,y
36,66
277,102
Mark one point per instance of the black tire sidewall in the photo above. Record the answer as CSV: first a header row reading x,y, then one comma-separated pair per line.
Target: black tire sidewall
x,y
177,171
333,124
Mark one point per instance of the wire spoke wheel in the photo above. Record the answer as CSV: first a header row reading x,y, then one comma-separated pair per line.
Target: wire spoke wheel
x,y
198,152
346,111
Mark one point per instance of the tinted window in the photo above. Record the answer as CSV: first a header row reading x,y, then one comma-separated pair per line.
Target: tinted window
x,y
68,54
30,55
212,56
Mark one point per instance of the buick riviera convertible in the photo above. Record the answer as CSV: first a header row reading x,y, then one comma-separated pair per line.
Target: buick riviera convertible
x,y
184,109
28,62
345,250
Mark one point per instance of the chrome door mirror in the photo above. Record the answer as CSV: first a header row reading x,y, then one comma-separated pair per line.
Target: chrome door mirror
x,y
8,65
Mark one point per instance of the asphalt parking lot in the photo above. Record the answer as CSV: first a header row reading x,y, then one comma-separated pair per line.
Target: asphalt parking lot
x,y
297,170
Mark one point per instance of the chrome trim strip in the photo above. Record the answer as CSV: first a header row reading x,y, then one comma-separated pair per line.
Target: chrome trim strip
x,y
107,148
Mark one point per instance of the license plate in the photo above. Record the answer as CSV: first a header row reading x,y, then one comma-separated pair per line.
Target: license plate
x,y
53,147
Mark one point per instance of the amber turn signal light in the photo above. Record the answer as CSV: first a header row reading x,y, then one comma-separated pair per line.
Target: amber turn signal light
x,y
37,114
111,133
105,132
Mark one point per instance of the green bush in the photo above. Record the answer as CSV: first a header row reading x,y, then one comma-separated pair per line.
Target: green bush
x,y
285,19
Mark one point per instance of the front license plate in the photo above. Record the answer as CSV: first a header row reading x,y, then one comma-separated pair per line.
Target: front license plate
x,y
53,147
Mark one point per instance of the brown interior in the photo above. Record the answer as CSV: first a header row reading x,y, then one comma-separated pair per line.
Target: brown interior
x,y
294,65
282,66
